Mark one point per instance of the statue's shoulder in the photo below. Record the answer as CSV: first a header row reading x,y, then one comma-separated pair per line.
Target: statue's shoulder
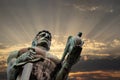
x,y
23,50
12,54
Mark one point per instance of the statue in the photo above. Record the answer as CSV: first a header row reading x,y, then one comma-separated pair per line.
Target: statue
x,y
37,52
36,63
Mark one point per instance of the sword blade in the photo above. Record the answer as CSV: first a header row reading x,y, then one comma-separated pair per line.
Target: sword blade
x,y
27,71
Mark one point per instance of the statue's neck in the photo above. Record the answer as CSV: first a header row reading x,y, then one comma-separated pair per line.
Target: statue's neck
x,y
41,47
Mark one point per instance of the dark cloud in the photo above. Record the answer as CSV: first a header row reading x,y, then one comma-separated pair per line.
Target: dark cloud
x,y
108,63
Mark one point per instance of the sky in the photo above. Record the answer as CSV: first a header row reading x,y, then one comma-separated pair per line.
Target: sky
x,y
98,20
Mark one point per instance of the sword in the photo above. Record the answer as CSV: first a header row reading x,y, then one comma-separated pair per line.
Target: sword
x,y
27,71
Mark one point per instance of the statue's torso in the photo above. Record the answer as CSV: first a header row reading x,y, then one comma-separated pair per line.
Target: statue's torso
x,y
41,69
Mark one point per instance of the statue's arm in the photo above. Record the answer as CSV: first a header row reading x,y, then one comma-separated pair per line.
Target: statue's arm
x,y
20,57
15,58
66,48
11,71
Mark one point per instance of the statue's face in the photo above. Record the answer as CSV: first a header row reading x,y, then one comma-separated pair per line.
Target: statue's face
x,y
44,39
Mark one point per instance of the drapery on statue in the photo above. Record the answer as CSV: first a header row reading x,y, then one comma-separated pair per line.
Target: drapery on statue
x,y
36,63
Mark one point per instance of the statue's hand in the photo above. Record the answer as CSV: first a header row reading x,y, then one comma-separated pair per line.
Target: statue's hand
x,y
78,42
29,55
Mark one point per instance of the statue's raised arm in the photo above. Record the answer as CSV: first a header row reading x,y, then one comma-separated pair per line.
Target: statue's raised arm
x,y
70,56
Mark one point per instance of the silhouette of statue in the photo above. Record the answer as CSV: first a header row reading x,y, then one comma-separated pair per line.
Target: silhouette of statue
x,y
36,63
38,54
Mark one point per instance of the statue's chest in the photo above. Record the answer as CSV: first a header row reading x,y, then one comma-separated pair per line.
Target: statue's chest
x,y
37,50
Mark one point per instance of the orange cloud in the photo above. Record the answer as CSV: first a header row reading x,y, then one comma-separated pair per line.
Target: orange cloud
x,y
91,47
95,75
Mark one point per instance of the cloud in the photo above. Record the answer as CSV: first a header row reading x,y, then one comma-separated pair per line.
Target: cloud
x,y
92,47
85,8
95,75
3,46
113,47
7,50
93,5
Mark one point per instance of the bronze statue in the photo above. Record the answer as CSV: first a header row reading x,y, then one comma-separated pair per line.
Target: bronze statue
x,y
39,64
37,52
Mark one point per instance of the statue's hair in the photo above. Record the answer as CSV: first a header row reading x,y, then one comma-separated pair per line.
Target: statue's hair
x,y
44,31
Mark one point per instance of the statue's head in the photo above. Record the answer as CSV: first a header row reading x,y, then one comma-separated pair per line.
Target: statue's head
x,y
43,39
79,34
